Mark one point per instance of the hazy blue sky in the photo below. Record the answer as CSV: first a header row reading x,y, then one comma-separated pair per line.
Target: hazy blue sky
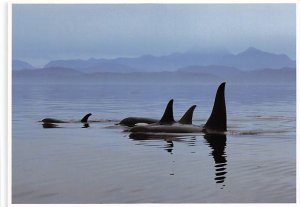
x,y
47,32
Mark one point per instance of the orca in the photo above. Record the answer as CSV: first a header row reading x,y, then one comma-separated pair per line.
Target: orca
x,y
216,124
172,128
166,119
51,120
132,121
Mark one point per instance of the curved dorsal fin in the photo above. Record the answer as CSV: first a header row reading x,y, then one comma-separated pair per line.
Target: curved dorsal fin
x,y
187,118
168,118
218,120
85,118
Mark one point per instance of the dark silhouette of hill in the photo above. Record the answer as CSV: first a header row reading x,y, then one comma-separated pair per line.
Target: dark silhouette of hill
x,y
282,75
92,65
265,75
187,75
55,73
253,58
173,61
19,65
217,70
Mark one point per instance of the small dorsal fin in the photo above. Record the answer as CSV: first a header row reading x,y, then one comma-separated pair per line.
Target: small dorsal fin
x,y
218,121
187,118
168,117
85,118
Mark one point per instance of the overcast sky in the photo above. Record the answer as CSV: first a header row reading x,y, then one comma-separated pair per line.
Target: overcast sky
x,y
46,32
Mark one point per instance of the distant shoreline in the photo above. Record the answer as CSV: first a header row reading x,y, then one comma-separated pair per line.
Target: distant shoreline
x,y
56,75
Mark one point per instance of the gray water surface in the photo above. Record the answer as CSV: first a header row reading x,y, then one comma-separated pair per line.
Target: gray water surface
x,y
254,162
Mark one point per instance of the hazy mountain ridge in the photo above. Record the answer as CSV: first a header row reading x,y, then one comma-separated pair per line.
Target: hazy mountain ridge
x,y
218,70
253,58
20,65
53,74
251,65
250,59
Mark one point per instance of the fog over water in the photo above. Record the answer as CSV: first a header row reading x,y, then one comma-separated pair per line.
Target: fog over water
x,y
46,32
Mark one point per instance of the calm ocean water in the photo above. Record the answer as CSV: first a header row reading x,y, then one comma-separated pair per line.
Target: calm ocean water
x,y
254,162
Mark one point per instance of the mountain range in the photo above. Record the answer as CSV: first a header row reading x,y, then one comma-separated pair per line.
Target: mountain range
x,y
251,65
250,59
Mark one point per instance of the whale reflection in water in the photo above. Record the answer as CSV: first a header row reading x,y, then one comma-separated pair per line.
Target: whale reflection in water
x,y
217,143
52,125
168,138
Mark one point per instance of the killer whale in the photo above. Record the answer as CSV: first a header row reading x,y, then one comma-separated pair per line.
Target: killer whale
x,y
216,123
166,119
52,120
132,121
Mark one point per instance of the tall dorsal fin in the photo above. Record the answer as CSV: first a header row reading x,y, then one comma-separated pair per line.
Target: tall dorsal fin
x,y
187,118
85,118
217,121
168,117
